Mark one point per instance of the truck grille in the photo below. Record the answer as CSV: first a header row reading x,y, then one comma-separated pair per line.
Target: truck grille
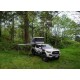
x,y
55,52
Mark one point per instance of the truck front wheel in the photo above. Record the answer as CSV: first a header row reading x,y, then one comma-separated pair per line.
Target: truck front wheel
x,y
33,52
57,57
44,58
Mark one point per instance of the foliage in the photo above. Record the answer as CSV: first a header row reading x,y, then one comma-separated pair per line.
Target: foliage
x,y
13,25
77,38
7,46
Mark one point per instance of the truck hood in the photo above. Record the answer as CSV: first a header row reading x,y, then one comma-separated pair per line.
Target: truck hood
x,y
52,49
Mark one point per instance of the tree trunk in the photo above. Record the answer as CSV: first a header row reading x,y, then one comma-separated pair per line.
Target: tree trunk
x,y
46,34
26,27
12,29
32,28
0,30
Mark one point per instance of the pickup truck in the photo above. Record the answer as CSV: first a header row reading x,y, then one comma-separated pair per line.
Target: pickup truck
x,y
46,51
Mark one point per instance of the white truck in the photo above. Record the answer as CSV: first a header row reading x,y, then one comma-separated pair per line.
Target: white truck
x,y
44,50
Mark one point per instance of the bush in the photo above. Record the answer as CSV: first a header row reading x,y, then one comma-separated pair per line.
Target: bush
x,y
62,42
25,48
7,45
55,41
13,46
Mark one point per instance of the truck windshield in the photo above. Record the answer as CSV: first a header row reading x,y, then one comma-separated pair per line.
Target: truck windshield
x,y
46,46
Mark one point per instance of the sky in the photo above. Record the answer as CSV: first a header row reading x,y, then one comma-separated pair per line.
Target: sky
x,y
72,15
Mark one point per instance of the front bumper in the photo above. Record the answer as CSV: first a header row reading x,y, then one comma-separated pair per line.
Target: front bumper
x,y
53,56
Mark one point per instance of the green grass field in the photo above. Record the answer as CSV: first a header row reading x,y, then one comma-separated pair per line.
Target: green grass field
x,y
69,59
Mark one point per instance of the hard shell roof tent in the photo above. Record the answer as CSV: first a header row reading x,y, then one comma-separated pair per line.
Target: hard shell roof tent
x,y
38,40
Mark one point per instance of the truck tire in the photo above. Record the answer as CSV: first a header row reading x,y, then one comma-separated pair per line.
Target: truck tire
x,y
33,52
44,58
57,57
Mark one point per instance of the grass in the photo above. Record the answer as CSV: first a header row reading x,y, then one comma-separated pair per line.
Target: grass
x,y
69,59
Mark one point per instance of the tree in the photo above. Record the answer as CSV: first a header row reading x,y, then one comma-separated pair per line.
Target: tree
x,y
46,21
32,20
1,17
25,20
26,27
0,23
12,27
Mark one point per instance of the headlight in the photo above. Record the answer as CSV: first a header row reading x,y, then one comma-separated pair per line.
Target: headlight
x,y
48,51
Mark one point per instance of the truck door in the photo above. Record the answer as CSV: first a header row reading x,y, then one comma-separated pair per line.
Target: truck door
x,y
38,49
